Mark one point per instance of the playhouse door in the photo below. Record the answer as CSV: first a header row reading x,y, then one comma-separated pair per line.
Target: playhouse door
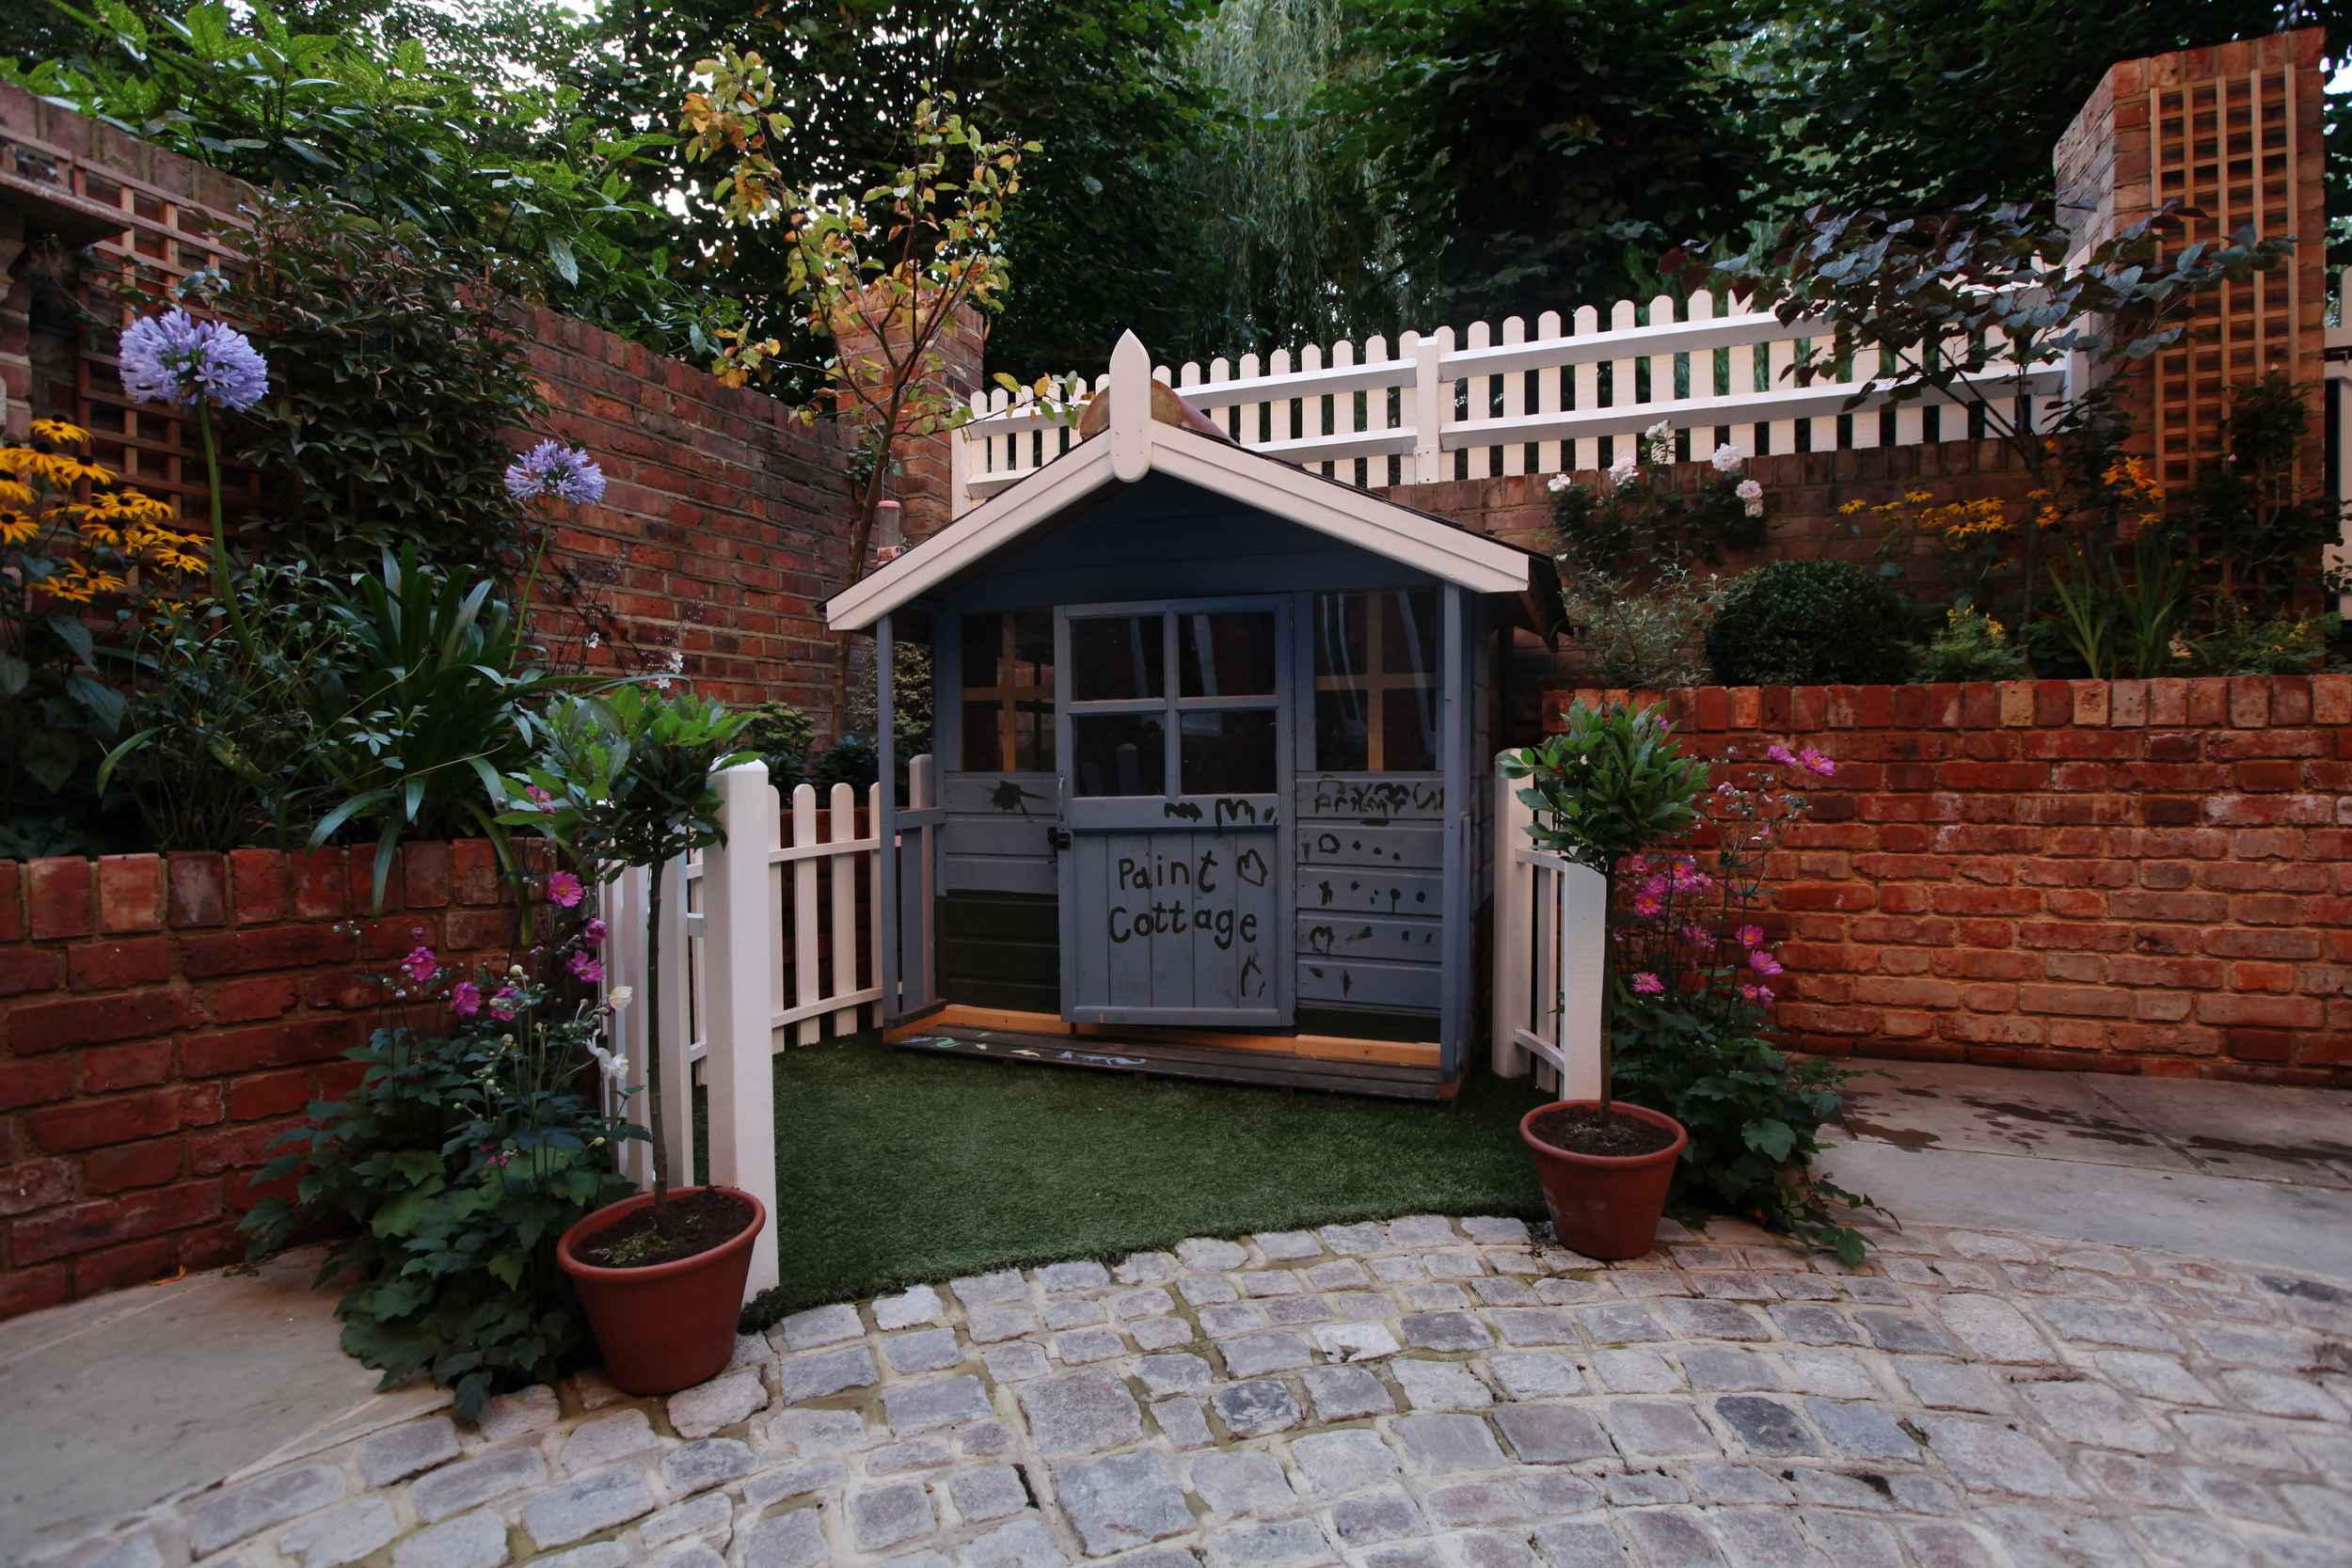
x,y
1174,736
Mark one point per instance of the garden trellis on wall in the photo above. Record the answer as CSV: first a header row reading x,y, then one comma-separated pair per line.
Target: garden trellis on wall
x,y
1505,403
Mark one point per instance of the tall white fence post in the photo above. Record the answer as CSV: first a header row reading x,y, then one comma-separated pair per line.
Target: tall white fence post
x,y
742,904
1551,934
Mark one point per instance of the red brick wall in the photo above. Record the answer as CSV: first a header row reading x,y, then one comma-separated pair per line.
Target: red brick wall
x,y
2130,876
724,525
163,1018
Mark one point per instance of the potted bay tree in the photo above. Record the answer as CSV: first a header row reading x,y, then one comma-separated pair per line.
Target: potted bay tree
x,y
1607,788
625,781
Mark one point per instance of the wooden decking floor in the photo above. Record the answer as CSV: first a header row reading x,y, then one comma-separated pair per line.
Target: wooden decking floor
x,y
1160,1059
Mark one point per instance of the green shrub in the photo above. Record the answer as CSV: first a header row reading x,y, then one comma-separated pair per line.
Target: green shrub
x,y
1971,647
459,1160
1810,623
1754,1115
1644,639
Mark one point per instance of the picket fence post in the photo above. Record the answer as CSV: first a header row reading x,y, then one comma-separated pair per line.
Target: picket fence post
x,y
742,899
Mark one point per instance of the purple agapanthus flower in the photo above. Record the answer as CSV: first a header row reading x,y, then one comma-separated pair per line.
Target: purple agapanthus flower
x,y
176,358
558,472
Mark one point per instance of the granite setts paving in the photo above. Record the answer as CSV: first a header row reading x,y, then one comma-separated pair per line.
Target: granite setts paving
x,y
1428,1393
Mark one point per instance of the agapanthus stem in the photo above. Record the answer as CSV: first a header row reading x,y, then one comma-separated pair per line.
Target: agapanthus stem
x,y
220,539
522,613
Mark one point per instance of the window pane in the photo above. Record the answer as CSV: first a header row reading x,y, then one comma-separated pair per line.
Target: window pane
x,y
1410,720
1224,655
1340,633
1116,658
1342,733
1118,754
1032,647
1229,753
983,737
1408,640
1033,738
1376,681
983,645
1002,730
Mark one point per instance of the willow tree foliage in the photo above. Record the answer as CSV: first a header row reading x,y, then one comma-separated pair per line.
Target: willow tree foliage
x,y
1306,252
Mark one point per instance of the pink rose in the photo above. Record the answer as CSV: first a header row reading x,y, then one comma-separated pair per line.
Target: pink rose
x,y
563,888
465,999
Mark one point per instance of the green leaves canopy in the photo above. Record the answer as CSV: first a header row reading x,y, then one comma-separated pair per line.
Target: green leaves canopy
x,y
1547,149
1610,785
626,776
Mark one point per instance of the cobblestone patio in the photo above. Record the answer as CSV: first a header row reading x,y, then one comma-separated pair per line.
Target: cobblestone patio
x,y
1428,1393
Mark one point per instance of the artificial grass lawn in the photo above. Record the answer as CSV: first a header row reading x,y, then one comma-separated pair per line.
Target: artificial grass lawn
x,y
894,1170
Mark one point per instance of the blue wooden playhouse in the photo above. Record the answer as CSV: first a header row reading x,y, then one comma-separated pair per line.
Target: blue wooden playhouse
x,y
1213,737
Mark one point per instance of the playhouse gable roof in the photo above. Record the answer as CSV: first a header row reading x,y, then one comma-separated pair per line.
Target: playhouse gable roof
x,y
1135,445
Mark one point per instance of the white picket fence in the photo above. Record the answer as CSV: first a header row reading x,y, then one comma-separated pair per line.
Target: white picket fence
x,y
761,943
1489,402
1550,925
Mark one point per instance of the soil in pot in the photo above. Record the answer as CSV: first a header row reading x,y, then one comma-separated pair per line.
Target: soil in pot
x,y
1586,1130
699,1221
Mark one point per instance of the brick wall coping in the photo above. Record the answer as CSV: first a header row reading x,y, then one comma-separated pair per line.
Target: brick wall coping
x,y
2220,702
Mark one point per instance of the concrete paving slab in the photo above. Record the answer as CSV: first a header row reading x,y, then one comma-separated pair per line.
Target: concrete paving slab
x,y
2254,1130
1988,1110
93,1433
2307,1229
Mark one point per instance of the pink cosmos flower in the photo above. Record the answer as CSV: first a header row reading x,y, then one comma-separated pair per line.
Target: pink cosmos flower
x,y
563,888
506,1004
1780,753
1648,904
1814,761
1755,993
595,931
1697,934
589,971
1751,935
465,999
420,965
1763,962
1649,984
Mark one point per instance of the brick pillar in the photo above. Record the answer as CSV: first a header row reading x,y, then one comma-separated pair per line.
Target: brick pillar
x,y
925,477
2233,131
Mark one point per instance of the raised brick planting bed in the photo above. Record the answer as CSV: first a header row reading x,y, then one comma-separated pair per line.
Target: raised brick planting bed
x,y
2129,876
163,1018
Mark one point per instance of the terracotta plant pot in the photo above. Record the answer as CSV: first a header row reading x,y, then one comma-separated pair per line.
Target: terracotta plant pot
x,y
1605,1205
666,1327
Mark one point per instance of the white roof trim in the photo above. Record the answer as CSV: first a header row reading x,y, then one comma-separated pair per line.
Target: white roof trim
x,y
1136,446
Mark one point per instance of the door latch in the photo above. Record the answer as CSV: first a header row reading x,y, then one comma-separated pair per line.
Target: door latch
x,y
1057,837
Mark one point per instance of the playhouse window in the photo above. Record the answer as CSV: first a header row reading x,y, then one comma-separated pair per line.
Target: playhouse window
x,y
1008,691
1376,681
